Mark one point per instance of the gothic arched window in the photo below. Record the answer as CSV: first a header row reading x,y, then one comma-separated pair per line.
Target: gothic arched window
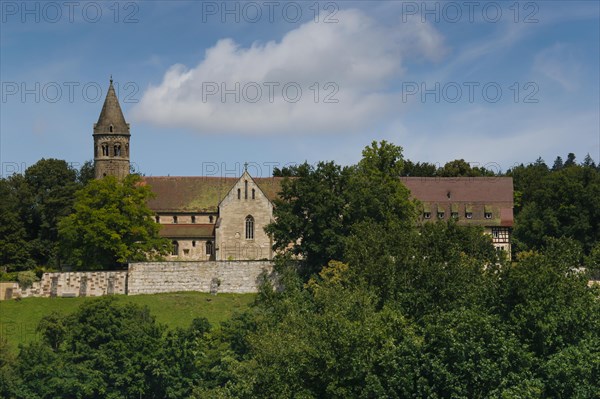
x,y
117,150
249,228
209,247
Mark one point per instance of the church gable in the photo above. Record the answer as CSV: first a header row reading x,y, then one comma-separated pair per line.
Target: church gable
x,y
243,214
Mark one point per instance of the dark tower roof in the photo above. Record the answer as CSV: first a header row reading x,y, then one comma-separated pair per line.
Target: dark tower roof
x,y
111,115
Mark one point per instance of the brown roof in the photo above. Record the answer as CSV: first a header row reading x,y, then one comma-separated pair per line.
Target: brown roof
x,y
199,193
478,194
461,189
187,230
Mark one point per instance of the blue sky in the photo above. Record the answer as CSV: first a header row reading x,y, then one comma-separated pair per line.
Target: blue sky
x,y
207,86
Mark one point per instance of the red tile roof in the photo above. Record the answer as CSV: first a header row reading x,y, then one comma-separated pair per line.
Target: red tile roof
x,y
199,193
475,193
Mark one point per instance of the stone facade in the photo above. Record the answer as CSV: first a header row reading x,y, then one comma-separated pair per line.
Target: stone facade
x,y
243,214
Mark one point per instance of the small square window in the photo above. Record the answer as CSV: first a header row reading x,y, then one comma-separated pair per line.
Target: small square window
x,y
174,219
157,218
488,215
469,215
186,251
193,219
426,215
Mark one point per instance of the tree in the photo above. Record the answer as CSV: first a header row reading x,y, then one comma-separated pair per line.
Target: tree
x,y
106,349
111,225
558,164
46,195
86,173
14,245
570,160
375,191
311,214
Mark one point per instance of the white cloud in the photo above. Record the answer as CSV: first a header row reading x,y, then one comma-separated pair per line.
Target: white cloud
x,y
357,55
559,64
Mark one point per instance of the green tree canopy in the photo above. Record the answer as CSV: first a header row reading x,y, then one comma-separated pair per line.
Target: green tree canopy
x,y
111,225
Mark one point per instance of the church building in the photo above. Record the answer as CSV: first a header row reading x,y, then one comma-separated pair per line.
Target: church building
x,y
223,218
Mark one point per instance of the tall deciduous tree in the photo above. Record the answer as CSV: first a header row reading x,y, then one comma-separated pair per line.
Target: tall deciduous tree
x,y
111,225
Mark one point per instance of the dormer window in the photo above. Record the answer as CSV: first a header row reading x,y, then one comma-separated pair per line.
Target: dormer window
x,y
487,212
453,210
441,212
469,211
426,215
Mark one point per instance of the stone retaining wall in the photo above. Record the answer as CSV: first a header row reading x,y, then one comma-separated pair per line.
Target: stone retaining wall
x,y
72,284
150,278
216,276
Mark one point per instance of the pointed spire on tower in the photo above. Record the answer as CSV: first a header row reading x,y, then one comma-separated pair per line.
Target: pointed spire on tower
x,y
111,118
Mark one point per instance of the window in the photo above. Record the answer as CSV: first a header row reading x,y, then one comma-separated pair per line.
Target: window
x,y
253,194
186,251
110,129
157,219
249,228
245,189
174,219
105,150
239,193
175,251
117,149
210,219
469,215
495,233
194,244
488,215
427,215
209,247
440,214
193,219
454,215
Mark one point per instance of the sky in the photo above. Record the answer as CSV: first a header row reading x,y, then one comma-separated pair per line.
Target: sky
x,y
210,85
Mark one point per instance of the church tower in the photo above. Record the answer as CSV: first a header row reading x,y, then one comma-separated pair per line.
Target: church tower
x,y
111,139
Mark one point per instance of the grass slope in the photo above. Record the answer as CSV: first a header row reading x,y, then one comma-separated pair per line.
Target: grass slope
x,y
19,319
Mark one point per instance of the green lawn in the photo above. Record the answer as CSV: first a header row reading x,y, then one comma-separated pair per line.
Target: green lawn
x,y
18,319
